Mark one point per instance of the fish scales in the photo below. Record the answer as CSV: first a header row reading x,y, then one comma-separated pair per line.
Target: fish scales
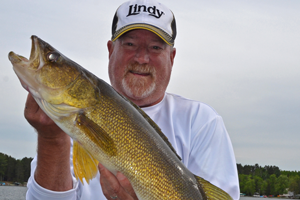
x,y
140,158
107,128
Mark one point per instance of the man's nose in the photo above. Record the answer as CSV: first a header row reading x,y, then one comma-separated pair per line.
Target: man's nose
x,y
142,55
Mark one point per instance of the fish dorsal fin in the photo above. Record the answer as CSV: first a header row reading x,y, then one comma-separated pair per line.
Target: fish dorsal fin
x,y
211,191
96,134
158,130
85,165
154,125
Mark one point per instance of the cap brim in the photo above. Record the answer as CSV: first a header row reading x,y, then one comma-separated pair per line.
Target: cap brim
x,y
162,34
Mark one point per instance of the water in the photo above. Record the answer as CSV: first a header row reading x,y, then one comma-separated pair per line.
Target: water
x,y
254,198
19,193
12,193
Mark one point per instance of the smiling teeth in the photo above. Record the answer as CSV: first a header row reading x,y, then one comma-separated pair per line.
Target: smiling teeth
x,y
140,73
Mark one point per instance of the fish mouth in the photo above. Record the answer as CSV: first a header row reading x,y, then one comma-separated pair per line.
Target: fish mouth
x,y
19,60
25,69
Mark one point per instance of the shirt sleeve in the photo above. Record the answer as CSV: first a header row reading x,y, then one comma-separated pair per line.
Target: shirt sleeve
x,y
212,156
37,192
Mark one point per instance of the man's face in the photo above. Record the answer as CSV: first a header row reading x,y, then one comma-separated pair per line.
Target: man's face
x,y
140,65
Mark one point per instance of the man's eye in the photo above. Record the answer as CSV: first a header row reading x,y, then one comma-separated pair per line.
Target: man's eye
x,y
156,47
129,44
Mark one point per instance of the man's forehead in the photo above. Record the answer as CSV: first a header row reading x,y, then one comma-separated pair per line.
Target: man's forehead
x,y
141,33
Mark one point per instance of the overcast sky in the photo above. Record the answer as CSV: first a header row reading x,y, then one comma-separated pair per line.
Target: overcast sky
x,y
242,57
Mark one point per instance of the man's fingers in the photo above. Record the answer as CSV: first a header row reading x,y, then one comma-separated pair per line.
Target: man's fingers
x,y
107,177
111,187
124,182
30,106
37,118
109,183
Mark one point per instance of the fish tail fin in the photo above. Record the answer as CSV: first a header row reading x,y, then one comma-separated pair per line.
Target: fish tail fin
x,y
211,191
85,165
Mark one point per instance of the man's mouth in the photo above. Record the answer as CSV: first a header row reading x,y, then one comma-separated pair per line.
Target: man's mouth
x,y
139,73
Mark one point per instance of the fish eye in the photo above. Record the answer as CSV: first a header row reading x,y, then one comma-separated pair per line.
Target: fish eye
x,y
53,57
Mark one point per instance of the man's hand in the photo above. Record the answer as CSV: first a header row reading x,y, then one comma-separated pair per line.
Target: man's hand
x,y
53,153
40,121
115,187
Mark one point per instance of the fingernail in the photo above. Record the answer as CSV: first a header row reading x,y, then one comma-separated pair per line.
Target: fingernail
x,y
120,176
100,167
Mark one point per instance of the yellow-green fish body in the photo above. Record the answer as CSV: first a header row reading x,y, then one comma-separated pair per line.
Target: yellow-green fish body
x,y
107,128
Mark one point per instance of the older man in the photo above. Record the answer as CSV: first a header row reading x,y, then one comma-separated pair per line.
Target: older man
x,y
141,56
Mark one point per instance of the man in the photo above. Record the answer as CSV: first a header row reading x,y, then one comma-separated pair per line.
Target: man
x,y
141,56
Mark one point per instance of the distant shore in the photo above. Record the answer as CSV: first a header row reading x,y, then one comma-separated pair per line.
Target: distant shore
x,y
6,183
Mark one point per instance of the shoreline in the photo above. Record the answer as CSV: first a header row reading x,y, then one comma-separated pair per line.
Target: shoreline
x,y
8,183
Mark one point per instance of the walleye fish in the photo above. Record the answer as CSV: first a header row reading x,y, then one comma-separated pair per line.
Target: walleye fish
x,y
107,128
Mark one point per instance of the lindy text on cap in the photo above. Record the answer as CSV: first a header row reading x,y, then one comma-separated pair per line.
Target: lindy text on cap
x,y
137,9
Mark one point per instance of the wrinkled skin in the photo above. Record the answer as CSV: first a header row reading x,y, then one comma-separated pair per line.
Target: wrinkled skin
x,y
152,60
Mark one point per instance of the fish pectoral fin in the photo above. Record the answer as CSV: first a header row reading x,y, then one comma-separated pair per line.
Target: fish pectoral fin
x,y
96,134
210,190
85,165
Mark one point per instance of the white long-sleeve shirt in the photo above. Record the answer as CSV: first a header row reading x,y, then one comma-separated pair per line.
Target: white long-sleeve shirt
x,y
197,133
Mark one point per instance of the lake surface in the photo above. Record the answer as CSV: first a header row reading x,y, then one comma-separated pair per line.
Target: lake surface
x,y
12,193
19,193
254,198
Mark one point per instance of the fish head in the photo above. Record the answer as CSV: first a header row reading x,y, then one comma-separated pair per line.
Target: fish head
x,y
47,73
60,86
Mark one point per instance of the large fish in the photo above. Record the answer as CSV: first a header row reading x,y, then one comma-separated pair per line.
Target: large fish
x,y
107,128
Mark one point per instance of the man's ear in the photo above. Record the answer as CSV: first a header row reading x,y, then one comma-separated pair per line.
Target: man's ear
x,y
110,47
172,55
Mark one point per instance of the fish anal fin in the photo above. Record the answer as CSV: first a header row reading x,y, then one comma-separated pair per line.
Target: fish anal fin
x,y
211,191
85,165
96,134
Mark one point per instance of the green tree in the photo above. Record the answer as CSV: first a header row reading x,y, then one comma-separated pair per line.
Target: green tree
x,y
19,171
272,183
240,168
10,171
258,184
14,170
264,186
26,168
257,170
264,174
248,169
294,184
3,166
269,180
249,186
290,173
243,179
268,188
282,183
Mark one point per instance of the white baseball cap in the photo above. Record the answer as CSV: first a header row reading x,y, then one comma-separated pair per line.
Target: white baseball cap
x,y
145,14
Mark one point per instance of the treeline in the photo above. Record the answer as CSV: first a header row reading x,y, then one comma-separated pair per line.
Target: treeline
x,y
13,170
267,180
